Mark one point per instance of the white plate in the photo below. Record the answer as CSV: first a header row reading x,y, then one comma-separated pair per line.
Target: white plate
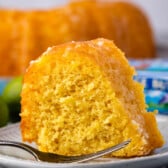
x,y
12,132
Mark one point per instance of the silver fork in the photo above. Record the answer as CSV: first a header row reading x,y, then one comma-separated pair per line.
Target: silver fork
x,y
50,157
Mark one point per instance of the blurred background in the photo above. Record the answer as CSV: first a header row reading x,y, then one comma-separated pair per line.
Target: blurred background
x,y
156,10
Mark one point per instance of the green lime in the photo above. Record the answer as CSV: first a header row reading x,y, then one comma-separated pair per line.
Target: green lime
x,y
12,90
4,112
11,95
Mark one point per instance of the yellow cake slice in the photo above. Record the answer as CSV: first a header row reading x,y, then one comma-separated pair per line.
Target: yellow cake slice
x,y
80,97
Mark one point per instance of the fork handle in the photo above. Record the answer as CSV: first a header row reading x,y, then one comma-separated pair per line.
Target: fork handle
x,y
21,146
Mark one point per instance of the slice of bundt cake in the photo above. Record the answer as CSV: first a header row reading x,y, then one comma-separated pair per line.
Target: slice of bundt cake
x,y
80,97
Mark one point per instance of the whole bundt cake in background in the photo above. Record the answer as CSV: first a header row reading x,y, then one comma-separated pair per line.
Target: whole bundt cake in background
x,y
24,35
80,97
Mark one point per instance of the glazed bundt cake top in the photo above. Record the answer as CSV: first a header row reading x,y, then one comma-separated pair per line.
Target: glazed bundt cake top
x,y
80,97
25,35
